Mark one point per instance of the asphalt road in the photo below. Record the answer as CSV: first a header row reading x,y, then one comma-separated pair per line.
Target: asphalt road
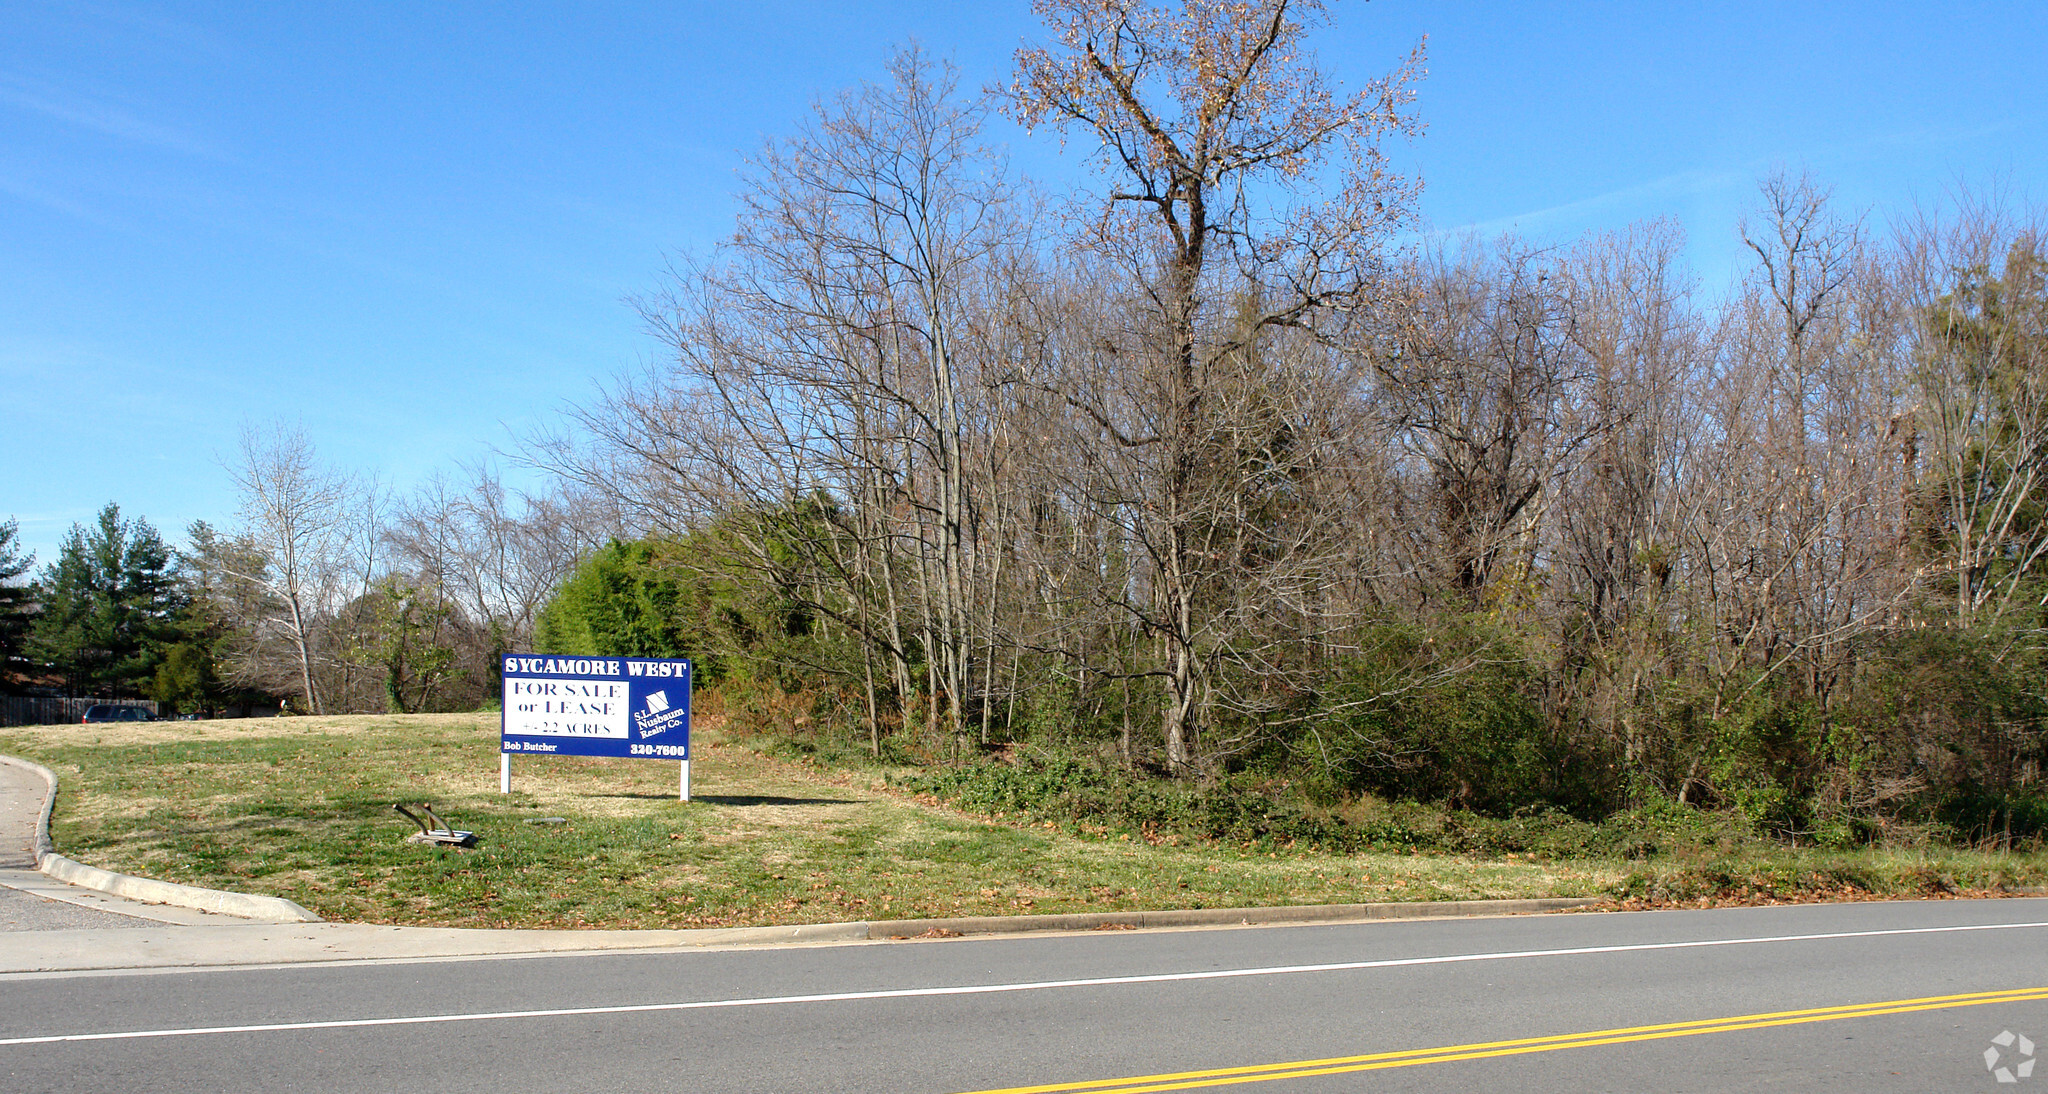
x,y
25,911
1074,1012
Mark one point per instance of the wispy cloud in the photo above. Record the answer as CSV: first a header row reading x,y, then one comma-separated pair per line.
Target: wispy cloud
x,y
1927,137
56,519
1666,190
1682,184
22,190
169,35
99,117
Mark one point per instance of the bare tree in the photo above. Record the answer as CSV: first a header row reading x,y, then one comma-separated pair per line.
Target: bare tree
x,y
1981,347
1478,369
496,554
1814,346
1643,345
1620,549
830,372
1217,131
296,518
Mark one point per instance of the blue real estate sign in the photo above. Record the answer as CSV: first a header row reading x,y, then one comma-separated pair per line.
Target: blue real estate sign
x,y
596,706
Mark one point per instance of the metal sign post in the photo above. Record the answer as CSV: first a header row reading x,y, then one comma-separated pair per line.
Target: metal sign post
x,y
594,706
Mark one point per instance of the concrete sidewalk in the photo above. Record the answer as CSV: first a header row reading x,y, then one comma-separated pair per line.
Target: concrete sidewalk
x,y
31,900
47,926
21,812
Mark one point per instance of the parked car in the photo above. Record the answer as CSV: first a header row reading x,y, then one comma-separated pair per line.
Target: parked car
x,y
114,712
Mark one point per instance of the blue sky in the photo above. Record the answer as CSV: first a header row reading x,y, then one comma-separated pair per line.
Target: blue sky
x,y
411,227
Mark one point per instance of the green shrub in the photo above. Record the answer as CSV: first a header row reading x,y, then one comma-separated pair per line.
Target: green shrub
x,y
1077,794
620,602
1391,721
1980,815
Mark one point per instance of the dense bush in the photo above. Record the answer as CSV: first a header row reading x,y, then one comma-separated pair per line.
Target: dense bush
x,y
1076,793
1475,736
619,602
1090,798
1942,736
670,598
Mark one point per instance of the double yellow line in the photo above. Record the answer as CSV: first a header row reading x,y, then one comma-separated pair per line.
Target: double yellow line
x,y
1340,1065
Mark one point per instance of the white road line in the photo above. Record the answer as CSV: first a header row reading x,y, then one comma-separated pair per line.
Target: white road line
x,y
993,989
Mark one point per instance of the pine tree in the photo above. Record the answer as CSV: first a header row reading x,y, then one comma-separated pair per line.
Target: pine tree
x,y
110,605
14,600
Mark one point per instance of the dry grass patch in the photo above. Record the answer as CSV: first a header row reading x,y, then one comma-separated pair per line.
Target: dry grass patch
x,y
301,808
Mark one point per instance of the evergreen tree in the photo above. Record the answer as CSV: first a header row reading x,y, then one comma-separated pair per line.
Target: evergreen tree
x,y
185,681
110,604
14,599
225,655
619,603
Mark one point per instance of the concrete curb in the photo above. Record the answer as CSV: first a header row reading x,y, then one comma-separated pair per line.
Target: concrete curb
x,y
269,909
232,944
763,936
1217,917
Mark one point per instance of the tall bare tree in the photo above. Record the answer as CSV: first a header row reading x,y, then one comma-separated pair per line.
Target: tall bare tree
x,y
1620,549
830,373
1245,196
496,554
1976,284
302,522
1479,367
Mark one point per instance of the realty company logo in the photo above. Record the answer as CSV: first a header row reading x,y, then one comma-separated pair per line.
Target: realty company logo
x,y
2010,1057
659,717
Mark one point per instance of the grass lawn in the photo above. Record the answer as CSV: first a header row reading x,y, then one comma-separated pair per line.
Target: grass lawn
x,y
301,808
